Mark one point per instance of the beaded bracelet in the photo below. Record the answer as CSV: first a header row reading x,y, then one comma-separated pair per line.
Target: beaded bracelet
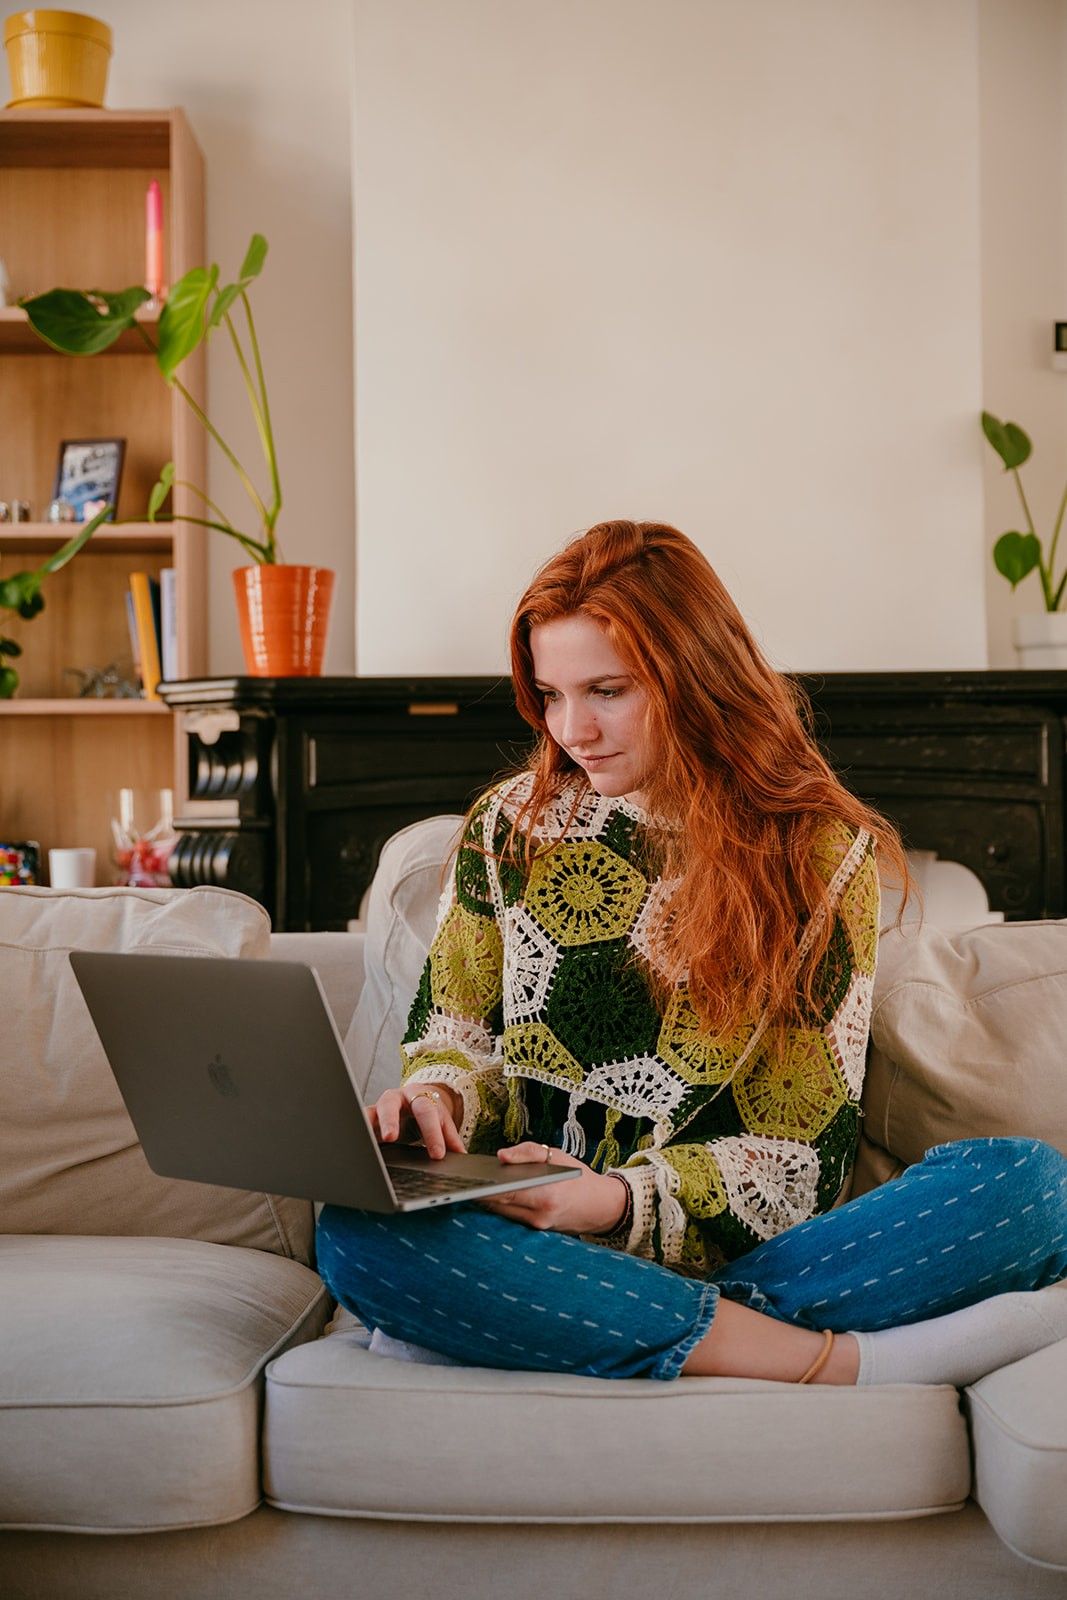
x,y
625,1222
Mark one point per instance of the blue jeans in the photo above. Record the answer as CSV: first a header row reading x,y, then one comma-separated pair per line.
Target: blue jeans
x,y
972,1219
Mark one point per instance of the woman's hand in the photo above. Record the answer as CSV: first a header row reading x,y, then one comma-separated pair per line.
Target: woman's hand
x,y
593,1203
426,1111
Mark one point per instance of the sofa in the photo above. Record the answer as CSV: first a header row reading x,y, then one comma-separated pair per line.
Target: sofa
x,y
183,1413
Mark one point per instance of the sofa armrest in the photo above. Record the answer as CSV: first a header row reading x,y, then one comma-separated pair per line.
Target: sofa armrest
x,y
338,960
1019,1428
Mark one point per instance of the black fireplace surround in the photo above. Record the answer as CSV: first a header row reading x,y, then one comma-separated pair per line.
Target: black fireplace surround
x,y
295,783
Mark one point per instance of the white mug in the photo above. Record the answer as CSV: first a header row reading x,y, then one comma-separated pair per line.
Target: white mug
x,y
72,869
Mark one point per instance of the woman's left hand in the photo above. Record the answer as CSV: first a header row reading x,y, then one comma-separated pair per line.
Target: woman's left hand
x,y
592,1203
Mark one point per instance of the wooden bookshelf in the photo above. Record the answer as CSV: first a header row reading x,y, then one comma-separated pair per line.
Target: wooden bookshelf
x,y
72,193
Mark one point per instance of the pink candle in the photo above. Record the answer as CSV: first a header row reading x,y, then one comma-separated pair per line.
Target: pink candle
x,y
153,241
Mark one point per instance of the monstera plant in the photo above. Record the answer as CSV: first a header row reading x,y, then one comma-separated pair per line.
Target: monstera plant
x,y
1016,554
84,323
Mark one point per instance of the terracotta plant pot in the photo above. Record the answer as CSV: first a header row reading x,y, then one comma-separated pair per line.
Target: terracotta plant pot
x,y
283,612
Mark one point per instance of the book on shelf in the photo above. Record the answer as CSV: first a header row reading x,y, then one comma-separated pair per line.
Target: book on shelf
x,y
168,627
145,612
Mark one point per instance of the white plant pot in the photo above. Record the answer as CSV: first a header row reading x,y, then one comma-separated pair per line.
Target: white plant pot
x,y
1040,640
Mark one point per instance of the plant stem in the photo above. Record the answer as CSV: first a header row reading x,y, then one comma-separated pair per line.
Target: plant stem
x,y
1044,572
276,487
1052,553
257,551
228,527
205,422
254,399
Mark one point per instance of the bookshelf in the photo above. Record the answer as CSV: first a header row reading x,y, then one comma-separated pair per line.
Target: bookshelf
x,y
72,195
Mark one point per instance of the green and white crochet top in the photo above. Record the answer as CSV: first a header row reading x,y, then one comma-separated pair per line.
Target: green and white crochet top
x,y
535,1005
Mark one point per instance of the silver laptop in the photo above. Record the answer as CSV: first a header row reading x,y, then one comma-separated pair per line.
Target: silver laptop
x,y
233,1072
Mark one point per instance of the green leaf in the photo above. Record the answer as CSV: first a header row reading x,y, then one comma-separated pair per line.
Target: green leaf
x,y
74,323
256,254
9,682
1008,440
225,300
1015,555
8,647
21,593
251,268
181,322
161,490
67,552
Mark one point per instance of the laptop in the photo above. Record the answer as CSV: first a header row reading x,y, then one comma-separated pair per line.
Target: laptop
x,y
233,1073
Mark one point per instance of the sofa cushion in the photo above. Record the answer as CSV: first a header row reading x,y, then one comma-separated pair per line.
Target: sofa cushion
x,y
1019,1427
400,917
130,1381
967,1036
70,1161
348,1433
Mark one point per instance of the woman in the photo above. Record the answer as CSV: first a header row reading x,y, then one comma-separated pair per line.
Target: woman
x,y
656,965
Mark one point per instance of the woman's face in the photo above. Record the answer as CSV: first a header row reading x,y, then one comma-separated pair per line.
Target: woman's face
x,y
594,709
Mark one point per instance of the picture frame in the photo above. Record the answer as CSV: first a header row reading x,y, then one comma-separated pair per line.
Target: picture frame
x,y
89,471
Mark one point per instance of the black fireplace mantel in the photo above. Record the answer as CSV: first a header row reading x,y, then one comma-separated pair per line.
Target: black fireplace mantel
x,y
296,783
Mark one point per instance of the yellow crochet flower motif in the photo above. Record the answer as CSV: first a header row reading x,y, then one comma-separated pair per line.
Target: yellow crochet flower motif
x,y
702,1191
466,964
532,1047
859,912
583,892
696,1055
796,1095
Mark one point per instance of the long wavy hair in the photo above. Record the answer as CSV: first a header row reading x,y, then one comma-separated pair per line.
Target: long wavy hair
x,y
737,772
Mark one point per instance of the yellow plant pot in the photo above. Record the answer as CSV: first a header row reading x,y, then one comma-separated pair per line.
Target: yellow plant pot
x,y
56,58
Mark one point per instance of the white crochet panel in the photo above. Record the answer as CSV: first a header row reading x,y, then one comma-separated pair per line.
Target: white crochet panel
x,y
649,917
589,819
530,961
848,1031
641,1086
455,1033
770,1183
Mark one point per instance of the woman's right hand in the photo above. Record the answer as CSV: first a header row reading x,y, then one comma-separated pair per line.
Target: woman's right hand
x,y
426,1111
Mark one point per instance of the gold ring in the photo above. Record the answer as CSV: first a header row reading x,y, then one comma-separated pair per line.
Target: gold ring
x,y
424,1094
548,1156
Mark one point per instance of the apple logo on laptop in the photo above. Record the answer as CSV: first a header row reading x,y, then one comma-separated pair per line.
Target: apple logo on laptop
x,y
222,1078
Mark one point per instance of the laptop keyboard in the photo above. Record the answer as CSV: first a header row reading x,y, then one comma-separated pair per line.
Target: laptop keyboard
x,y
412,1182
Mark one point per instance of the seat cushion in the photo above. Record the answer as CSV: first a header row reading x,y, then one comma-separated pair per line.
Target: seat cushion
x,y
400,917
348,1433
967,1031
130,1380
70,1161
1019,1426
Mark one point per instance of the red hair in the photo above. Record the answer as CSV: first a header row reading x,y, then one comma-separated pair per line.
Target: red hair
x,y
736,767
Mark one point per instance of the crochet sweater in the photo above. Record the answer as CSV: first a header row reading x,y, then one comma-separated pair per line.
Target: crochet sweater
x,y
535,1006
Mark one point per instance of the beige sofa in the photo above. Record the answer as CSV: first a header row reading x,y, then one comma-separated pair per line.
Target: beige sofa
x,y
180,1418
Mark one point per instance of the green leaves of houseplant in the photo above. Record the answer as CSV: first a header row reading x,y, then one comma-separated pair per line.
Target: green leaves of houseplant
x,y
21,593
86,323
1016,555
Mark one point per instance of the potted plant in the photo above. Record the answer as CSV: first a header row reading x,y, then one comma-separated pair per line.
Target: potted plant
x,y
1040,637
21,593
283,609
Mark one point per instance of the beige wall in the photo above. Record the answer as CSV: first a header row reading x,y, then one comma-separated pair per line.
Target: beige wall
x,y
713,263
1024,275
752,268
267,88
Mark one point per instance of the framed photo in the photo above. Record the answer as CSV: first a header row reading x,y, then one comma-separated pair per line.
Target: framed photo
x,y
89,474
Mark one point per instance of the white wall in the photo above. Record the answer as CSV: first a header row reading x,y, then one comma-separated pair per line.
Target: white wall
x,y
267,88
1024,276
710,263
